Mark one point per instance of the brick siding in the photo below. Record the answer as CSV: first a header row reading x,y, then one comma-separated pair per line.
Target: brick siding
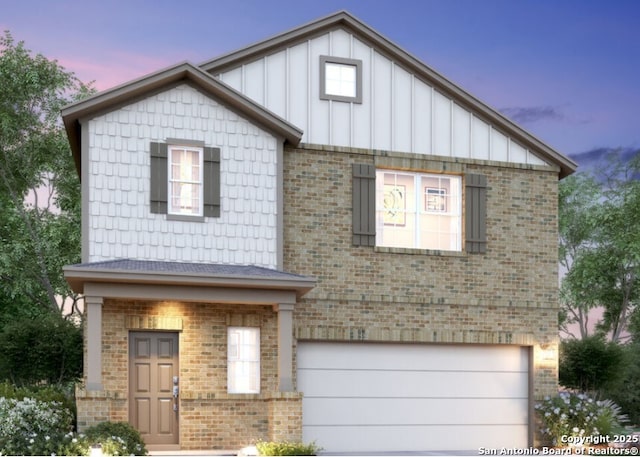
x,y
506,296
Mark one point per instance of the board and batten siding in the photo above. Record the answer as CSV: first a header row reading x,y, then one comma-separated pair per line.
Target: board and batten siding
x,y
119,217
399,111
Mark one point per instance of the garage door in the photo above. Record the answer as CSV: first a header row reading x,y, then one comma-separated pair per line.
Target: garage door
x,y
364,397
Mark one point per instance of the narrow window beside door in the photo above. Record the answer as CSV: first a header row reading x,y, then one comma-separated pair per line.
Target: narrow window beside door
x,y
243,360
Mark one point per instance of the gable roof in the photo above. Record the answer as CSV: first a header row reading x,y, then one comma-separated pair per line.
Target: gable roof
x,y
147,85
344,20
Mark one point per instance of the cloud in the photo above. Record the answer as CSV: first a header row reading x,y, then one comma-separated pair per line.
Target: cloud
x,y
528,115
596,159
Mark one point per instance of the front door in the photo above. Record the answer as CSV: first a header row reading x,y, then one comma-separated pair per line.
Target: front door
x,y
153,374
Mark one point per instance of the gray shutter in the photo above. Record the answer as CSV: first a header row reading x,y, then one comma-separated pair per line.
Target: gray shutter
x,y
211,182
364,205
476,213
159,180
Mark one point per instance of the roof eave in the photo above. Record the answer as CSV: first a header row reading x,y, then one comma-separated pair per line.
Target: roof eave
x,y
346,20
78,276
73,114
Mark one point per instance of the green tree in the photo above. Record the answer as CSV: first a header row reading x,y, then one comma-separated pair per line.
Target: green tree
x,y
39,188
600,246
579,195
617,284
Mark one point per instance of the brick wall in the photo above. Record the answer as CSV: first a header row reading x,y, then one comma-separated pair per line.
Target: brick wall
x,y
210,418
506,296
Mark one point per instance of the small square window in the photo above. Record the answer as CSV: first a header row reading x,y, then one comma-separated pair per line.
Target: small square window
x,y
340,79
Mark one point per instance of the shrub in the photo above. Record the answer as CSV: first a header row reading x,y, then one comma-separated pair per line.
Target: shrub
x,y
286,448
116,438
590,364
45,349
32,427
577,415
60,394
626,392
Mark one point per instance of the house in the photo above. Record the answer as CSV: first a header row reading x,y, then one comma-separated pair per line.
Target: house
x,y
317,237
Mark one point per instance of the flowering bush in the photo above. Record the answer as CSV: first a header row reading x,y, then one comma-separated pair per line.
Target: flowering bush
x,y
115,438
286,448
32,427
576,415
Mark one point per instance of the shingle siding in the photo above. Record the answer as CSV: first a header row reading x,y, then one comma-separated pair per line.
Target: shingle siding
x,y
120,219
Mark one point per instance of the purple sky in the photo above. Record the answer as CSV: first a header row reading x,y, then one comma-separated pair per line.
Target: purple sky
x,y
568,71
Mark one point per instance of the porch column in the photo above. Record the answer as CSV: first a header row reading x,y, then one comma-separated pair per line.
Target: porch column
x,y
285,347
94,342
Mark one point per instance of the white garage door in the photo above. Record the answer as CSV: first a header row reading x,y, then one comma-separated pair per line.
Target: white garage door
x,y
364,397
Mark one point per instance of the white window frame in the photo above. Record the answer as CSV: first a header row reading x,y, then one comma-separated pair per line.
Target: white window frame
x,y
413,199
243,360
171,209
352,64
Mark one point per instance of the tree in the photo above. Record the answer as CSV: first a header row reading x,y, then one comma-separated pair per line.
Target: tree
x,y
617,287
600,246
579,195
39,188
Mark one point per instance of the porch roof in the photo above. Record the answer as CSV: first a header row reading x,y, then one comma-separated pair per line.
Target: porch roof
x,y
151,272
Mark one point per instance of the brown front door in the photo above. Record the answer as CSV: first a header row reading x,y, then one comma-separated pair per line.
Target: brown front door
x,y
153,373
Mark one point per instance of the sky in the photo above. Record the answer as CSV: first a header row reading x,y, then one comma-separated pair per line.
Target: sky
x,y
567,71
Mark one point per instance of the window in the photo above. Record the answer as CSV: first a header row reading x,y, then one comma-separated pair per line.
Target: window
x,y
340,79
416,210
185,180
243,360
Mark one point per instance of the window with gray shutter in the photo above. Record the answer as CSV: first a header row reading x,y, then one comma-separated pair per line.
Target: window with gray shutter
x,y
159,180
364,201
476,213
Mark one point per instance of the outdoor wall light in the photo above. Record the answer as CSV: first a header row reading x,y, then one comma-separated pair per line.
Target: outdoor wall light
x,y
547,352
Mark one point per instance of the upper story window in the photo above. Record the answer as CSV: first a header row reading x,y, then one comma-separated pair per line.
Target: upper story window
x,y
185,180
340,79
417,210
413,210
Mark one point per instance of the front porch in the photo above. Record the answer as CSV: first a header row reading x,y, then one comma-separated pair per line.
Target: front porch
x,y
132,297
